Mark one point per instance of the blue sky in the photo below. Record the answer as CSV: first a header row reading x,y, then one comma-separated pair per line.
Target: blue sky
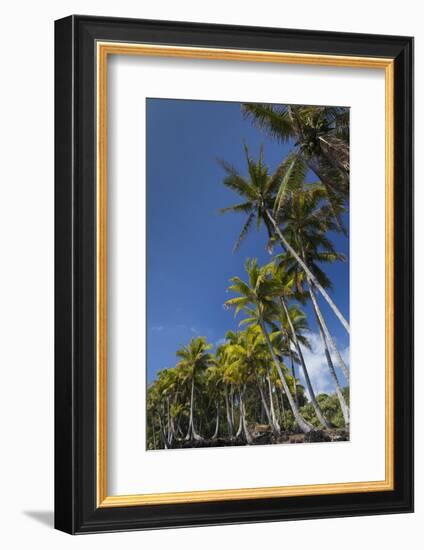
x,y
189,243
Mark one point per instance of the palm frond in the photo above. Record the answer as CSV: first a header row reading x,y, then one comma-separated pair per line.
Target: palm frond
x,y
292,180
245,230
236,182
240,208
273,119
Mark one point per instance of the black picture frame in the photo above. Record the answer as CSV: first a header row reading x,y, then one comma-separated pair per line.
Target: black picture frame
x,y
75,275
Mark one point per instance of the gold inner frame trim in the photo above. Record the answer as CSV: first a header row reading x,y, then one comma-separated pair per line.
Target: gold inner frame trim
x,y
104,49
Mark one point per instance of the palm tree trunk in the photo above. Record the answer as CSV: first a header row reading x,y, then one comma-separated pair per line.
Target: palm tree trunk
x,y
303,425
227,408
262,413
154,435
172,433
308,272
313,164
243,420
296,397
275,425
232,405
265,404
170,425
215,435
332,159
179,430
240,427
190,420
191,429
162,432
343,405
322,420
327,334
283,408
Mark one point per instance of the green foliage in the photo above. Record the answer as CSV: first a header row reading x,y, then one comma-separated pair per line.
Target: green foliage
x,y
330,406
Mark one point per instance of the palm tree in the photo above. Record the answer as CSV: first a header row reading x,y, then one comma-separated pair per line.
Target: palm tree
x,y
259,292
222,361
239,373
159,406
307,221
152,413
193,358
250,351
286,291
299,324
321,138
214,379
287,316
263,197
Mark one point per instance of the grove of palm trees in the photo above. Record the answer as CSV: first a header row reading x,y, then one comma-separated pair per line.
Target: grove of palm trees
x,y
256,384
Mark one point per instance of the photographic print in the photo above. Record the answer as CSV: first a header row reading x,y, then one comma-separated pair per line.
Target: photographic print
x,y
247,274
211,252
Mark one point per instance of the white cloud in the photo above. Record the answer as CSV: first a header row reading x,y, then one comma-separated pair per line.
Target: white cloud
x,y
316,363
220,342
157,328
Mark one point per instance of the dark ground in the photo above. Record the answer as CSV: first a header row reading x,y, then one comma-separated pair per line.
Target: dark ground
x,y
315,436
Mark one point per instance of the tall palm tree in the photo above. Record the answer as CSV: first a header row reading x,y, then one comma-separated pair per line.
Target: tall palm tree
x,y
284,318
193,358
222,361
259,292
320,136
239,373
250,351
263,197
307,221
298,324
214,382
286,284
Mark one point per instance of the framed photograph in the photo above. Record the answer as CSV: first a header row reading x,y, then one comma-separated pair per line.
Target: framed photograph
x,y
234,274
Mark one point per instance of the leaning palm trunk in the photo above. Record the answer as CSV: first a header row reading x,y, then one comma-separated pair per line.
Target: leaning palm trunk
x,y
283,408
303,425
314,402
232,405
171,427
296,398
327,334
243,420
265,404
275,425
314,165
336,153
240,426
154,434
308,272
269,411
191,432
215,435
343,405
227,409
178,430
162,433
